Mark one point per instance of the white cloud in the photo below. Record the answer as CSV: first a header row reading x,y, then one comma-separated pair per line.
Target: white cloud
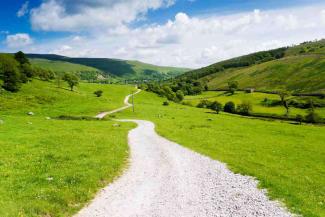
x,y
23,10
197,41
65,15
18,40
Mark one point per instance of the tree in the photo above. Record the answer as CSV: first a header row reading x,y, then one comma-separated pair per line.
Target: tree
x,y
216,106
230,107
179,95
24,66
233,86
245,108
71,79
98,93
9,73
21,58
284,100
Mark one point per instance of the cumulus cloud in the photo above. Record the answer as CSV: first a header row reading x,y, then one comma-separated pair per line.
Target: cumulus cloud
x,y
23,10
197,41
67,15
18,40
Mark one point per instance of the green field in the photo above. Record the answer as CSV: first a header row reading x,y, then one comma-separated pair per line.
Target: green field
x,y
287,159
255,99
46,99
52,167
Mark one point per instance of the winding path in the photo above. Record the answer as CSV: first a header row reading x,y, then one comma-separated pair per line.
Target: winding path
x,y
165,179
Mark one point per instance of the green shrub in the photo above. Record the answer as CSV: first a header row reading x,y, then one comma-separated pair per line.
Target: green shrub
x,y
98,93
216,106
245,108
166,103
204,104
230,107
179,95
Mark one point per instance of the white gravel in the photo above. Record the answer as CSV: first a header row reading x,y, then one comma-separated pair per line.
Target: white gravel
x,y
166,179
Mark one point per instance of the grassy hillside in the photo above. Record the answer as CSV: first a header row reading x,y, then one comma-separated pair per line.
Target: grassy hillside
x,y
51,167
299,69
84,72
287,159
303,74
123,69
61,66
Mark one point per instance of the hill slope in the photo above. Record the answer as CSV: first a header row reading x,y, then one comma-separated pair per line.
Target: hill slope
x,y
124,69
300,69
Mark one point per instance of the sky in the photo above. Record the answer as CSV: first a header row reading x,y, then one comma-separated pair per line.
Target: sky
x,y
183,33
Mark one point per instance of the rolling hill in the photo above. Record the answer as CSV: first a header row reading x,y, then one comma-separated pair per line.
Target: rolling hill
x,y
299,69
124,69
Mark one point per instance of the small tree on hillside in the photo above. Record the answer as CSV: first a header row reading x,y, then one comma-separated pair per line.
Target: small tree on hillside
x,y
284,95
71,79
233,86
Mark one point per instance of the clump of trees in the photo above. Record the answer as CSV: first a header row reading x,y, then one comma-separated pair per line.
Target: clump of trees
x,y
10,73
215,105
245,108
16,70
175,91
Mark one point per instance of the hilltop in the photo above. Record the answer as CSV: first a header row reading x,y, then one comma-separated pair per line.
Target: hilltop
x,y
120,69
298,68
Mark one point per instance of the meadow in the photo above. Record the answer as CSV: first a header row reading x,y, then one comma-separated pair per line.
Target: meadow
x,y
51,167
255,99
287,159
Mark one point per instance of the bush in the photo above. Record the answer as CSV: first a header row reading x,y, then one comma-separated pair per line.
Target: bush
x,y
312,117
179,95
230,107
245,108
216,106
204,104
166,103
98,93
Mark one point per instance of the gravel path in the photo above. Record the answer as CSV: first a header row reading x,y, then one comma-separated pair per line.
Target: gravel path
x,y
126,103
166,179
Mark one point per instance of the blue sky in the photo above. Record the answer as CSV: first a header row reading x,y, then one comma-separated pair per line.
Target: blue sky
x,y
157,31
